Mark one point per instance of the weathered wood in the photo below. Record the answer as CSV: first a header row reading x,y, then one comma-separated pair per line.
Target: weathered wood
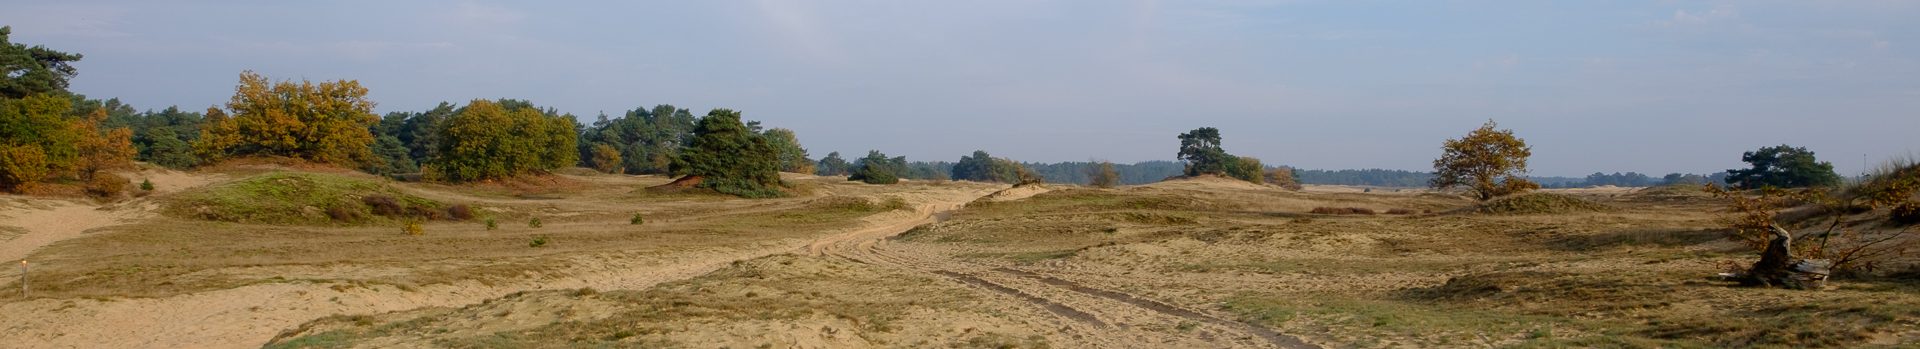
x,y
1778,267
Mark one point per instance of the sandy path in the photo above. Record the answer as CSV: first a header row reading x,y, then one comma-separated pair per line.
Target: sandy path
x,y
247,316
64,220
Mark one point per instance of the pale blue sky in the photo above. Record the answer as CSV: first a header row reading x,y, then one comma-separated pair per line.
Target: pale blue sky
x,y
1651,86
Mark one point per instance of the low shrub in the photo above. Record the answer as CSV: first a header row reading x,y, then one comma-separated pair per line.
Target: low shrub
x,y
1908,213
428,213
637,219
146,185
383,205
534,222
460,212
343,213
106,185
1540,203
413,228
538,241
1344,210
492,224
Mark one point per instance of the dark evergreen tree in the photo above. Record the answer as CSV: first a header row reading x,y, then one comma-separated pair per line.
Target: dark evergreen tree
x,y
877,168
1782,166
832,165
730,158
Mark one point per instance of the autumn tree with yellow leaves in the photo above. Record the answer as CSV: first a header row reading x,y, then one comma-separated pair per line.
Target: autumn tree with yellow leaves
x,y
489,140
1489,162
326,122
40,138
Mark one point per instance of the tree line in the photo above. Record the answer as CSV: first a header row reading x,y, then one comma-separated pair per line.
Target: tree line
x,y
53,136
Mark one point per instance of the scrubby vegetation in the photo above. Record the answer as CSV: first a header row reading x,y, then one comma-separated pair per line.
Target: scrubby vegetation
x,y
1539,203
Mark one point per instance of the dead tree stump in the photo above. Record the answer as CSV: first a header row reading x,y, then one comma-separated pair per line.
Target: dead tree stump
x,y
1778,268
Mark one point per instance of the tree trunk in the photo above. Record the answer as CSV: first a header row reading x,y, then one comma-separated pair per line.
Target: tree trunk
x,y
1778,268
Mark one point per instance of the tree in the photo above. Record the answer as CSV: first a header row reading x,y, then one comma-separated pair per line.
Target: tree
x,y
1488,161
489,140
1782,166
977,167
606,158
1102,175
1246,168
832,165
981,167
391,155
649,140
36,140
876,168
1201,150
102,150
792,157
1283,177
26,71
420,132
326,122
163,138
730,158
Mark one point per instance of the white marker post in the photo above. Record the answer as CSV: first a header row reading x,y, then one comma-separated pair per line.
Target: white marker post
x,y
23,279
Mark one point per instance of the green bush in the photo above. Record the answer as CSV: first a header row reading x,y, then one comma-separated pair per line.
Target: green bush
x,y
492,224
534,222
637,220
538,241
146,185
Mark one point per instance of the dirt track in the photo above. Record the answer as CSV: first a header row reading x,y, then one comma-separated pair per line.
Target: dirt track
x,y
1099,317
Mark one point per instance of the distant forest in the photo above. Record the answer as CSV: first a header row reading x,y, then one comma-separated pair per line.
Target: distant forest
x,y
1075,172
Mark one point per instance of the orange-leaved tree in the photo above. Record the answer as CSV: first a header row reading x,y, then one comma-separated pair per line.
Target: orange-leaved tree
x,y
326,122
1488,161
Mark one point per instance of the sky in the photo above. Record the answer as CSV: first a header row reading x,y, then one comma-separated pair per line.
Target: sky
x,y
1646,86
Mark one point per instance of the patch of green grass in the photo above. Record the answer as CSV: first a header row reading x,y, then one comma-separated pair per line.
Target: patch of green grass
x,y
289,198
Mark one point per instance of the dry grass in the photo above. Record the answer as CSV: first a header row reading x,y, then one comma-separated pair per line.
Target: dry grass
x,y
169,256
1540,203
1548,270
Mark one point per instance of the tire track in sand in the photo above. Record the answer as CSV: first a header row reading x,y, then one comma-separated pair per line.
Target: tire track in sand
x,y
1046,292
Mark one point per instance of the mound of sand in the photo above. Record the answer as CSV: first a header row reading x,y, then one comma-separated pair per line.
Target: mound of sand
x,y
1015,193
1208,182
1539,203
